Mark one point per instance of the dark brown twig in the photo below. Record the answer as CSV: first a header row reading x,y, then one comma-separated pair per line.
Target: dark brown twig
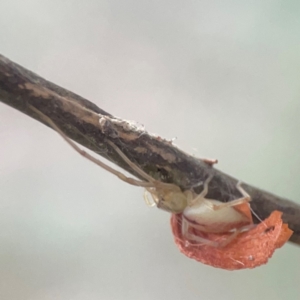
x,y
91,127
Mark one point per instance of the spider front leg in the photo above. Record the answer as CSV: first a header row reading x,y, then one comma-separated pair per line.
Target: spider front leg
x,y
150,181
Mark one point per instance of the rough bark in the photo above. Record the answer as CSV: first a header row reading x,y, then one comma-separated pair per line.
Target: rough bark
x,y
92,127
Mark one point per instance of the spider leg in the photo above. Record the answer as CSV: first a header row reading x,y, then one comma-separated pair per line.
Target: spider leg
x,y
98,162
201,196
205,187
232,203
245,199
200,241
130,163
143,174
241,190
149,202
190,238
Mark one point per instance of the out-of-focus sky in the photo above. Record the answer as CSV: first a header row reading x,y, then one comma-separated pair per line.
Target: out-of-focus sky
x,y
220,76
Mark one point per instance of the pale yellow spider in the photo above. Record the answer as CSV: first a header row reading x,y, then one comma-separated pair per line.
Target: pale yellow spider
x,y
205,215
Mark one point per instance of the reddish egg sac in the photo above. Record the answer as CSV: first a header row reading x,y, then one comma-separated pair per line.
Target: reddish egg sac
x,y
248,250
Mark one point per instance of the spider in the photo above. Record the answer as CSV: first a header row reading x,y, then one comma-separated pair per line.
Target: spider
x,y
199,213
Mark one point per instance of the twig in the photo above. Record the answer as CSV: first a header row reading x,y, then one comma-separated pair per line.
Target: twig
x,y
92,127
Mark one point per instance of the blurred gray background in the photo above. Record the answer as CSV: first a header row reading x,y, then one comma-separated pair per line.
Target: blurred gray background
x,y
221,76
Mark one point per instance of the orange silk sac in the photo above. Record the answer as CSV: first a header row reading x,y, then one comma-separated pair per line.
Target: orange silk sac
x,y
248,250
